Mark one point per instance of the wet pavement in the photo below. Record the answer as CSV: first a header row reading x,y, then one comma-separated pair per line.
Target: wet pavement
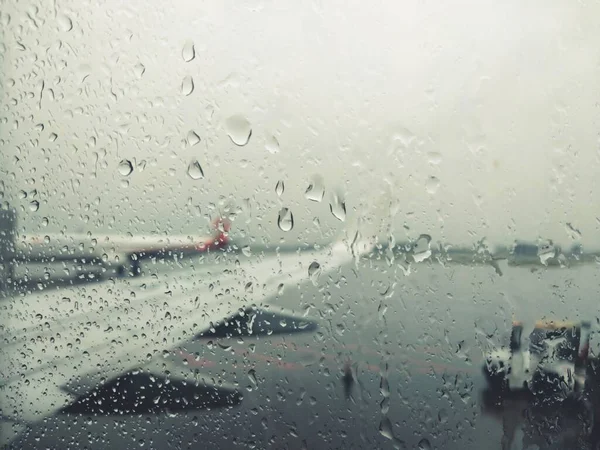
x,y
413,346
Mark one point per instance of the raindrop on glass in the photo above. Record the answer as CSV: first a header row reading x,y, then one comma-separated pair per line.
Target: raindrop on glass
x,y
285,219
424,444
421,248
189,52
238,129
338,207
272,145
52,137
34,205
125,167
279,188
316,189
385,428
192,138
195,171
314,270
64,22
432,185
252,377
139,70
187,85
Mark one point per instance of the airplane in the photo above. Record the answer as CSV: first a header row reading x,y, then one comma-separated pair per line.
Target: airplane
x,y
121,253
133,345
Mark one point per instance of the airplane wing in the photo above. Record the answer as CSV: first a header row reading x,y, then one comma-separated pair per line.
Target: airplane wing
x,y
127,345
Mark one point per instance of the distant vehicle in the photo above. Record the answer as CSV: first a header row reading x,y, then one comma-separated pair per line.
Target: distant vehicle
x,y
555,361
123,253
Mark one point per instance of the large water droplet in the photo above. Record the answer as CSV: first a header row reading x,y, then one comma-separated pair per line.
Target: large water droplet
x,y
316,189
314,271
192,138
187,85
279,188
338,207
546,251
52,137
238,129
64,22
432,185
34,205
195,171
189,52
285,220
272,145
421,248
385,428
424,444
125,167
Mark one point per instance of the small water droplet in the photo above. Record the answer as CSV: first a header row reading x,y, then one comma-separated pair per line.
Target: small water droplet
x,y
338,207
45,222
272,145
314,270
139,70
34,205
192,138
252,377
424,444
421,248
195,171
432,185
442,416
280,289
316,189
385,428
188,52
64,22
246,251
285,220
187,85
22,195
52,137
279,188
434,158
238,129
125,167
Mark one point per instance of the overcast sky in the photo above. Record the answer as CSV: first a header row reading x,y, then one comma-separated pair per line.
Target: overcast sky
x,y
482,115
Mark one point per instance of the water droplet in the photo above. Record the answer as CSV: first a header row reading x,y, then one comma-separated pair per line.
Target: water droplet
x,y
34,205
195,171
272,145
64,22
139,70
279,188
187,85
442,416
316,189
125,167
385,428
421,248
239,129
424,444
285,220
314,270
192,138
280,289
52,137
434,158
252,377
338,207
189,52
22,195
432,185
546,251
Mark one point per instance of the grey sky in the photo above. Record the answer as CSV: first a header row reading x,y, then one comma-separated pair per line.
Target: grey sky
x,y
481,114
